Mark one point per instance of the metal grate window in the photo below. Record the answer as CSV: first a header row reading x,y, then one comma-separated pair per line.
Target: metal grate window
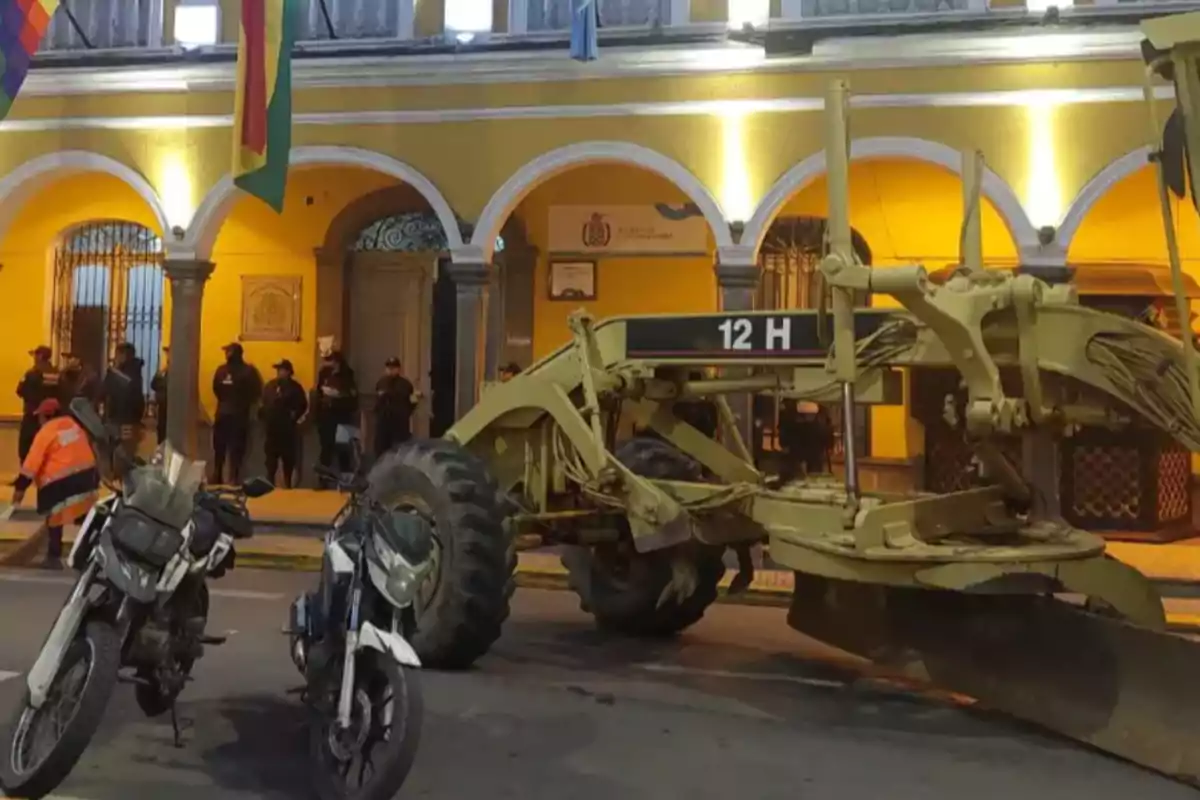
x,y
354,19
555,15
104,25
790,260
108,288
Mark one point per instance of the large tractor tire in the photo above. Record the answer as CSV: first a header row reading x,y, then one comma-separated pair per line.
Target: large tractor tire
x,y
466,600
620,587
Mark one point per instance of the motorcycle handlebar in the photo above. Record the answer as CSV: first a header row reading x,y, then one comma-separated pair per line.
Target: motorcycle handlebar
x,y
355,483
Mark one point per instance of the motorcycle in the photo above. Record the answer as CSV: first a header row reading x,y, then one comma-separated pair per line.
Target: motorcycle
x,y
140,604
350,640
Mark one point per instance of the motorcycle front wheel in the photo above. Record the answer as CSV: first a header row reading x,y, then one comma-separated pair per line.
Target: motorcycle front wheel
x,y
42,745
371,759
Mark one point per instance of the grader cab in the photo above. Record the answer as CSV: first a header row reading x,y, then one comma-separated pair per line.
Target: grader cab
x,y
987,591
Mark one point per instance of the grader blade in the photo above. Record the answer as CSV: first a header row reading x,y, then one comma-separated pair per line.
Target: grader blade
x,y
1130,691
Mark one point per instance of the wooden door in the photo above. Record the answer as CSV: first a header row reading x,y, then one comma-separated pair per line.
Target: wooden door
x,y
390,314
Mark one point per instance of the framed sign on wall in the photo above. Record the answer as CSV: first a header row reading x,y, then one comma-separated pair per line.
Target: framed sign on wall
x,y
270,308
572,280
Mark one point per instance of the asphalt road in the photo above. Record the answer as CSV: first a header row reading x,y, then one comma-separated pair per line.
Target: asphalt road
x,y
740,707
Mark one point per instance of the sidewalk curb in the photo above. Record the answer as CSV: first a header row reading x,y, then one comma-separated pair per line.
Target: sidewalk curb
x,y
543,570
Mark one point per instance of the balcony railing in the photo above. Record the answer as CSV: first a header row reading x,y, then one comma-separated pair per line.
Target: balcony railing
x,y
355,19
548,16
104,25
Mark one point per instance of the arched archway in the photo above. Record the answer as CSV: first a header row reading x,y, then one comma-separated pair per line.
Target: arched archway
x,y
556,162
383,291
994,189
1100,185
206,223
27,180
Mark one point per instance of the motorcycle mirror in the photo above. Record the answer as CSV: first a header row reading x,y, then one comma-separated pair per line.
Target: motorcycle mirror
x,y
85,414
257,487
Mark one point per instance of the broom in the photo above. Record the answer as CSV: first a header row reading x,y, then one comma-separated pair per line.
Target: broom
x,y
27,551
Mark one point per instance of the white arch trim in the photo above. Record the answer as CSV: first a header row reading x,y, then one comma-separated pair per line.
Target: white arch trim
x,y
547,165
206,223
994,188
31,177
1096,188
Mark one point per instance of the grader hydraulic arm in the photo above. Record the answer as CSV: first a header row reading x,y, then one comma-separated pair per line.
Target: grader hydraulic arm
x,y
986,591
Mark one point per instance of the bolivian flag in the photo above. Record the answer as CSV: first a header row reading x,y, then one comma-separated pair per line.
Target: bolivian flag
x,y
262,127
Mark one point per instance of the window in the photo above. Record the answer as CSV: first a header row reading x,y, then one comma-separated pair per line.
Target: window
x,y
197,23
790,263
468,19
104,25
326,20
108,289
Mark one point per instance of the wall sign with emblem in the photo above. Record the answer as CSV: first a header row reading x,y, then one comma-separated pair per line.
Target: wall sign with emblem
x,y
572,280
270,308
756,336
657,229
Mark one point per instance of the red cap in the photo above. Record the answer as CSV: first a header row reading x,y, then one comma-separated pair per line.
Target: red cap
x,y
48,407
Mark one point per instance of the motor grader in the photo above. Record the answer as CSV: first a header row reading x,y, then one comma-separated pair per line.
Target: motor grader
x,y
986,591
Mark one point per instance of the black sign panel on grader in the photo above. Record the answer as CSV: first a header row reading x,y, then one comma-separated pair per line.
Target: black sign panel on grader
x,y
965,589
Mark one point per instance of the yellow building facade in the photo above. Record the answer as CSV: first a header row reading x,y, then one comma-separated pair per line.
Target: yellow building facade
x,y
486,155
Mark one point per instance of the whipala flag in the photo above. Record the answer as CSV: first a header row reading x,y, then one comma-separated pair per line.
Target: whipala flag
x,y
584,23
23,23
262,129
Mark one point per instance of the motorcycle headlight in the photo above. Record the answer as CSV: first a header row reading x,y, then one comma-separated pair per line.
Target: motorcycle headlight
x,y
392,573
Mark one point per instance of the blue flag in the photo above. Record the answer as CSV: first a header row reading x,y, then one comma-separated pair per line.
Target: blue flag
x,y
583,30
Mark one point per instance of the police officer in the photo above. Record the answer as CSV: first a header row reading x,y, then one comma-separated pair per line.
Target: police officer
x,y
237,386
78,380
394,404
284,405
38,384
805,437
123,397
158,385
335,402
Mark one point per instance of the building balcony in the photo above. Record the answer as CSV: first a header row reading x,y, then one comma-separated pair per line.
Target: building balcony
x,y
160,29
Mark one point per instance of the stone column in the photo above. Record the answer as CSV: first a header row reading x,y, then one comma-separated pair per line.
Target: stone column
x,y
737,281
187,277
1046,261
471,279
331,297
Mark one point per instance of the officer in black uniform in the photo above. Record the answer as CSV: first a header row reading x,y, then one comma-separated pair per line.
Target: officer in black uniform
x,y
123,397
805,437
38,384
394,405
334,403
78,380
237,386
158,385
284,405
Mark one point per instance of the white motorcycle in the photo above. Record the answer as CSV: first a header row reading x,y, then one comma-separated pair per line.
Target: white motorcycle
x,y
140,603
348,639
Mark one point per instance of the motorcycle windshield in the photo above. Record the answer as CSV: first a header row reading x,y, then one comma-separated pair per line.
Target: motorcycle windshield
x,y
165,489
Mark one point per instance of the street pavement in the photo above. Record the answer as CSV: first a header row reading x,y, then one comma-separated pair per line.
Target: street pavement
x,y
741,706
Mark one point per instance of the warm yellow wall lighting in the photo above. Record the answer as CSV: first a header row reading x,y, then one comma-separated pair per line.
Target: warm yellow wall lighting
x,y
176,190
735,179
1043,189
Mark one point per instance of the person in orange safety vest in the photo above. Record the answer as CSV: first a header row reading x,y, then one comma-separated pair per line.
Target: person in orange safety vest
x,y
62,464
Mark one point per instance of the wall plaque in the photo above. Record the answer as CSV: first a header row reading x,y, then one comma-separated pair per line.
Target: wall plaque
x,y
270,308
